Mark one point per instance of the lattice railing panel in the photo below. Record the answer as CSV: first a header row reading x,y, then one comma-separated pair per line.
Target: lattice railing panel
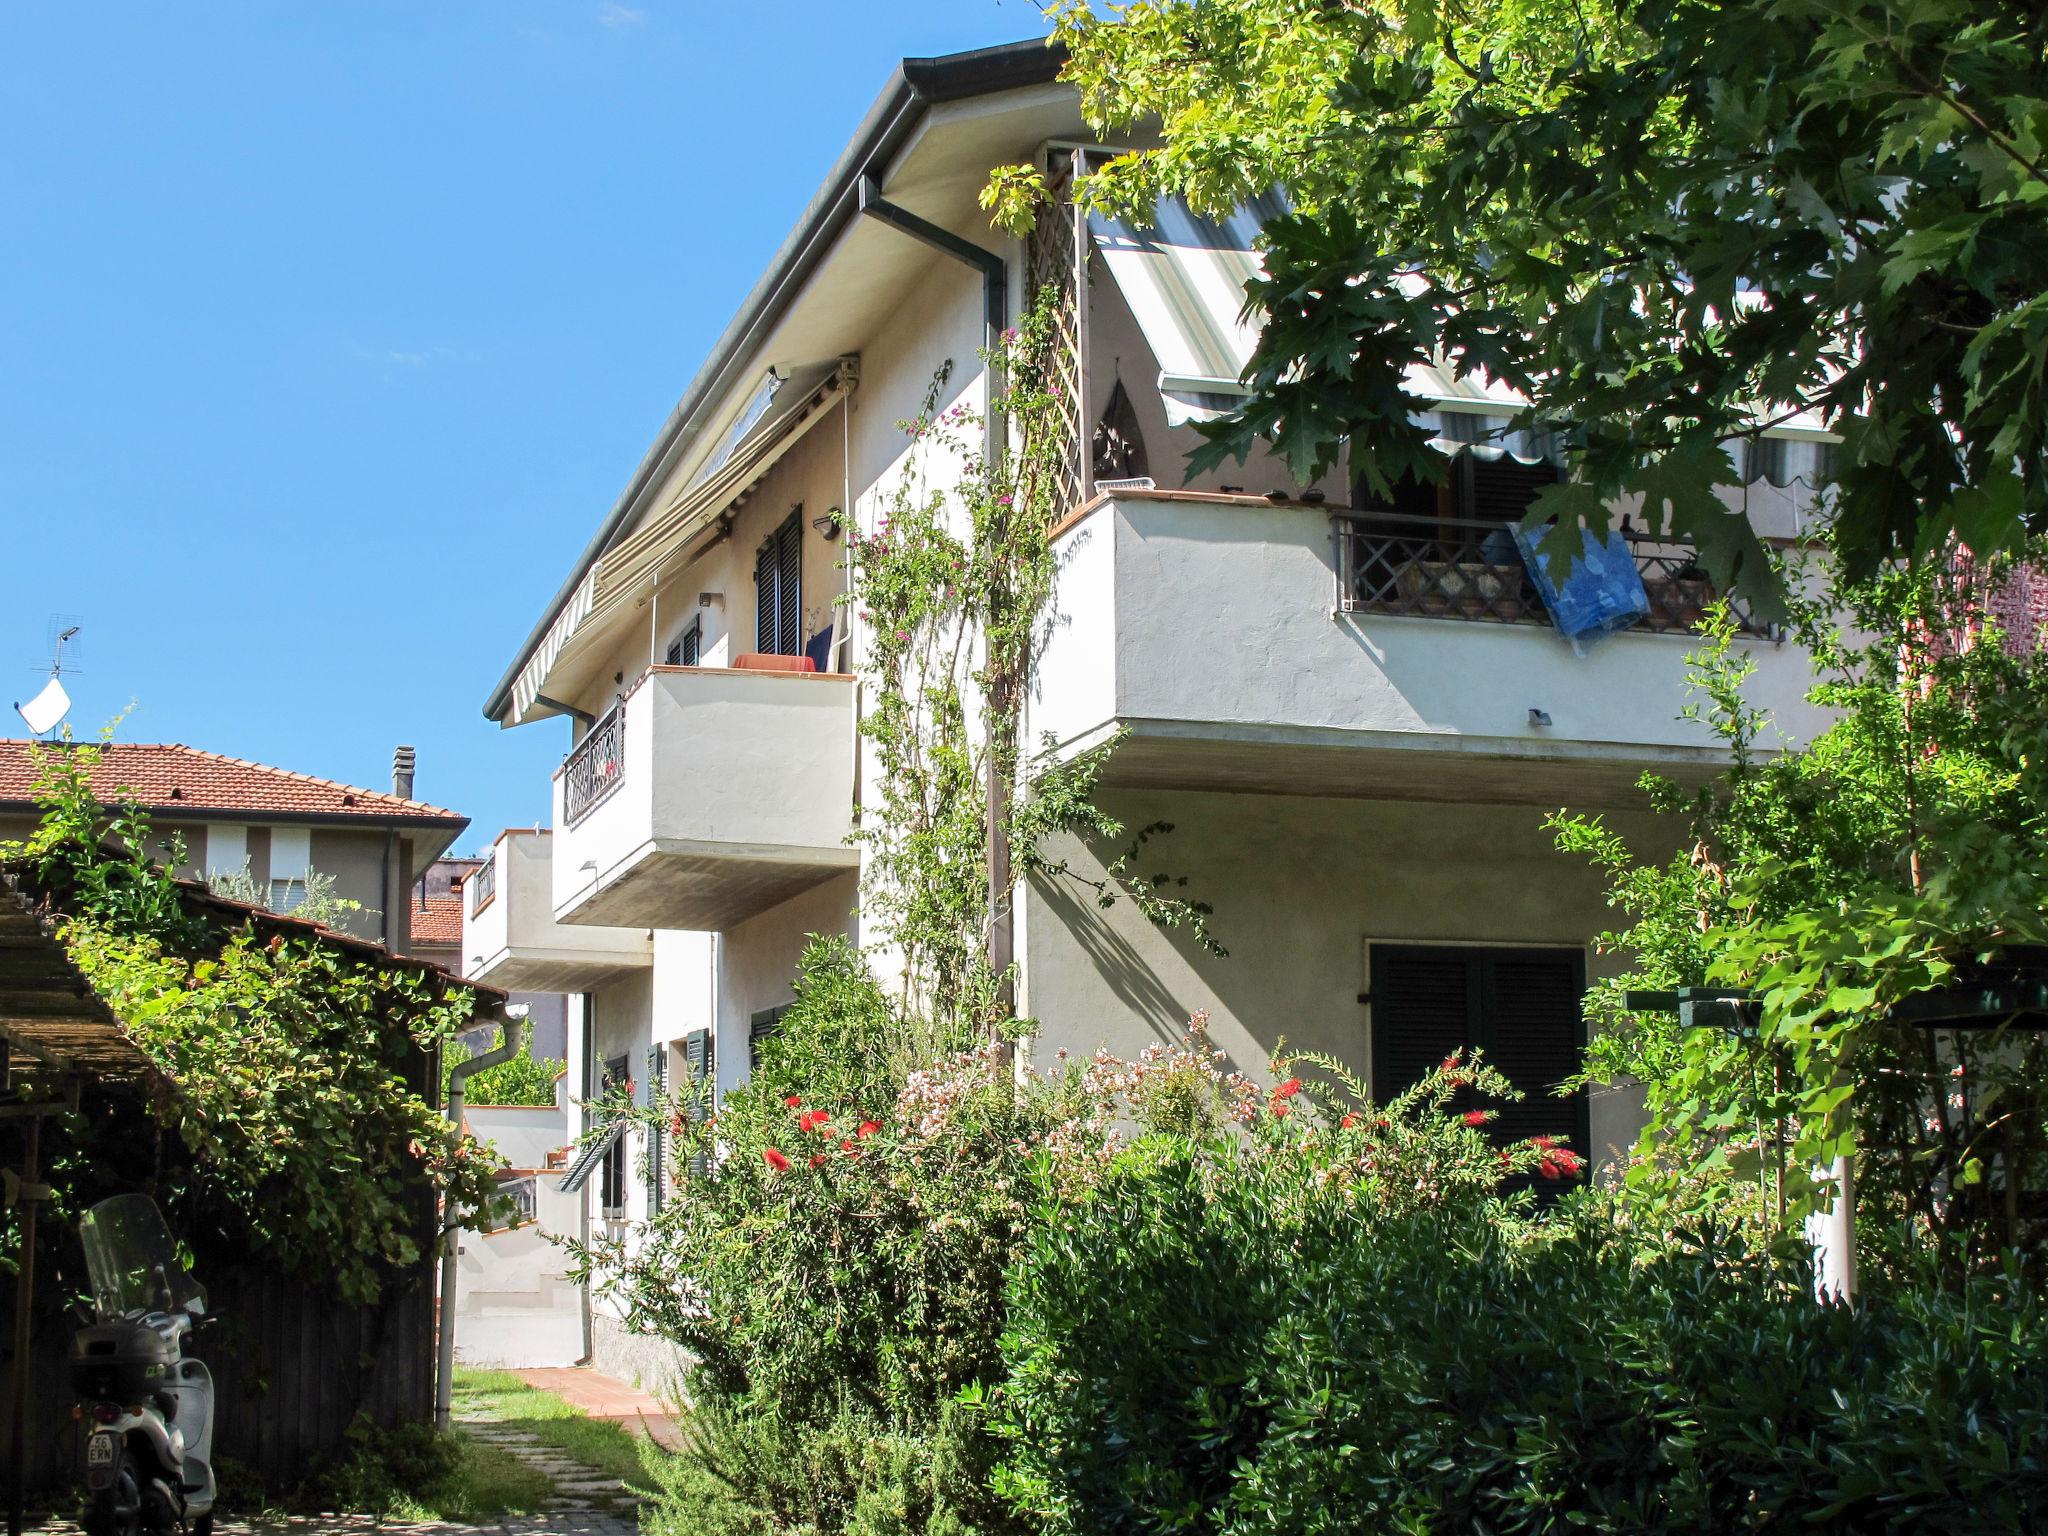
x,y
1458,568
1053,256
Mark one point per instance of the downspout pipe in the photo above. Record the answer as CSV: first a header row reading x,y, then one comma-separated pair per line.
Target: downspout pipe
x,y
995,311
511,1035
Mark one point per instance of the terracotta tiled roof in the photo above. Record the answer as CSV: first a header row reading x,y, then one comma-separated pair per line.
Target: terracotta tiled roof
x,y
168,777
438,920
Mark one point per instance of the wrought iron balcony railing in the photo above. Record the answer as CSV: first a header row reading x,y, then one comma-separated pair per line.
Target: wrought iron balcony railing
x,y
1462,568
596,767
483,884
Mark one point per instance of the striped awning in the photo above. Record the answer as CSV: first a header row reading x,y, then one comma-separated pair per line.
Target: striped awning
x,y
1184,279
590,1155
768,425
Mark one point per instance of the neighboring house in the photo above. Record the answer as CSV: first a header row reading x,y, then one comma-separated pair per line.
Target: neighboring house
x,y
436,923
235,815
1354,715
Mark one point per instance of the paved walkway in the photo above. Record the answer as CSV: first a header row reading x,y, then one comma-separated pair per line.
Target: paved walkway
x,y
603,1397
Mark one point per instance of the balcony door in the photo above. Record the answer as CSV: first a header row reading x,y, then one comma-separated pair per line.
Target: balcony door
x,y
778,589
1520,1007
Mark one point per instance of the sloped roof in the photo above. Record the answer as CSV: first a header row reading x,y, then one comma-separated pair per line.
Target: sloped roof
x,y
437,920
170,777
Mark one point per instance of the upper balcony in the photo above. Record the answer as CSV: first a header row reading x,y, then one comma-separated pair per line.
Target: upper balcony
x,y
1286,648
705,796
509,934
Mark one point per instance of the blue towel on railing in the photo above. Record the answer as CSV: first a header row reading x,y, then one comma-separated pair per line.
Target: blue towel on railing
x,y
1603,594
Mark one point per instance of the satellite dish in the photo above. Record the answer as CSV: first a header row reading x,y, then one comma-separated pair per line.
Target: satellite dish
x,y
46,711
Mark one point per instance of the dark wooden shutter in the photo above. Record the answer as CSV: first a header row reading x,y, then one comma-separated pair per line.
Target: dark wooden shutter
x,y
1501,490
1521,1007
700,1056
1425,1004
759,1028
612,1188
1536,1035
684,649
778,596
657,1140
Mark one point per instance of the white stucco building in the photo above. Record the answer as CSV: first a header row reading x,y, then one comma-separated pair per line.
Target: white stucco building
x,y
1353,716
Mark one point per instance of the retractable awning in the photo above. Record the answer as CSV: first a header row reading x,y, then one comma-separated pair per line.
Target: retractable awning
x,y
590,1156
771,422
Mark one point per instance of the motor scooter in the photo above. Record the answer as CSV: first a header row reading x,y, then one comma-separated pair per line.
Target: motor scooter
x,y
147,1407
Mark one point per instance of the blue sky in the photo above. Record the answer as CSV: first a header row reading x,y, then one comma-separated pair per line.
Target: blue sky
x,y
328,333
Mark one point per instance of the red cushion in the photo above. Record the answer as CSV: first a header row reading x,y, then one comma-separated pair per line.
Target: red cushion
x,y
761,661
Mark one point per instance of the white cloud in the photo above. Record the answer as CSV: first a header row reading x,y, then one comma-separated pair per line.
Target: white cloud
x,y
612,14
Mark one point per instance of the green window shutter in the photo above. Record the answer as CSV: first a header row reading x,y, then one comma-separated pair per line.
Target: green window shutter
x,y
700,1092
759,1028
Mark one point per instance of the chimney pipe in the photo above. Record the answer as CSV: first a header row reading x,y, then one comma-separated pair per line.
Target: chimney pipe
x,y
402,762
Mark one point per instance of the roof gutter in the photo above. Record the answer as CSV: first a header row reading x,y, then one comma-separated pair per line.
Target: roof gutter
x,y
918,85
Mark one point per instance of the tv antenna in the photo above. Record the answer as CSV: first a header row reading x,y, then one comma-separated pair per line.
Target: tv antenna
x,y
44,713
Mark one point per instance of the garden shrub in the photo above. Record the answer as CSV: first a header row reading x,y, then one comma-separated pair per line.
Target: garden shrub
x,y
1207,1342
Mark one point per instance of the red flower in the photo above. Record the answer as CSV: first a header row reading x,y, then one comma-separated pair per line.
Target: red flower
x,y
1543,1143
793,1100
868,1128
1450,1063
1347,1122
817,1158
846,1146
1279,1109
774,1158
812,1119
676,1124
1288,1089
1475,1118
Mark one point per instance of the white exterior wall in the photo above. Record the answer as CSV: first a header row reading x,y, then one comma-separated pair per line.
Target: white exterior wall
x,y
1222,616
1300,886
758,963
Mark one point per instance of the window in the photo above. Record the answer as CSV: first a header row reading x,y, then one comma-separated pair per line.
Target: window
x,y
227,851
618,1071
1520,1007
1490,490
778,594
700,1058
291,855
686,647
759,1028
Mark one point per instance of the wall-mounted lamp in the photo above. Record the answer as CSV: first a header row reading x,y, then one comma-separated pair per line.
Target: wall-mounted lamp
x,y
710,599
1539,717
828,525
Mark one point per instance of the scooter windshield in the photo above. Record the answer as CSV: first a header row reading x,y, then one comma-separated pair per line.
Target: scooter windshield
x,y
133,1263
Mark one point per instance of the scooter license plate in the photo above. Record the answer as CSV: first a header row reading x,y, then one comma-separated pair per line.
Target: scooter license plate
x,y
102,1452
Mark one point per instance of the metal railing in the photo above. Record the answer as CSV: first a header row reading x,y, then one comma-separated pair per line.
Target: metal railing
x,y
596,767
483,884
1465,568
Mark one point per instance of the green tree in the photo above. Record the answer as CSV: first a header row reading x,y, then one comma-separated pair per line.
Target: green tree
x,y
523,1079
1669,223
1901,850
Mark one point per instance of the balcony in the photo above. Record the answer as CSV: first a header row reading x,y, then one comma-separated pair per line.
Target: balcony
x,y
510,937
1242,644
706,796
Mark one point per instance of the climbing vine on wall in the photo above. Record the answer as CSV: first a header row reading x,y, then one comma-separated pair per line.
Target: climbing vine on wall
x,y
953,587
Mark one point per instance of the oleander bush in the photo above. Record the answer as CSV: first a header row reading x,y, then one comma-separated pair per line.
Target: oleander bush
x,y
1204,1342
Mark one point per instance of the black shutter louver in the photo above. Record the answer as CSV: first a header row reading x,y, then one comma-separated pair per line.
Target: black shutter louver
x,y
1521,1007
759,1028
657,1141
764,597
700,1058
1502,490
789,640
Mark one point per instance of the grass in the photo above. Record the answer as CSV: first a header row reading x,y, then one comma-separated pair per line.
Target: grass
x,y
413,1473
607,1446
